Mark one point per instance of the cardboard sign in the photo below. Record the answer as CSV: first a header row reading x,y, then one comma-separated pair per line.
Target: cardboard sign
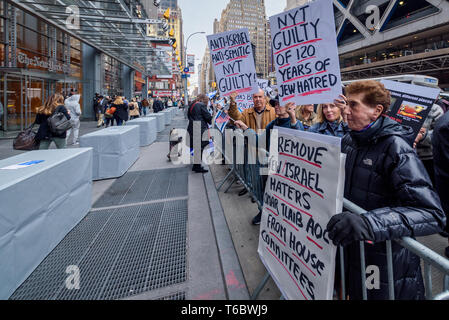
x,y
233,60
304,190
306,55
410,104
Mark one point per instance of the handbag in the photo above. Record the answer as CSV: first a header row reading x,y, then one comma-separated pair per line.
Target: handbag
x,y
58,123
25,140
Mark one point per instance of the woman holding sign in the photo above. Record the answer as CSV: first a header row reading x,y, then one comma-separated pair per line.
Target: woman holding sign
x,y
330,121
385,177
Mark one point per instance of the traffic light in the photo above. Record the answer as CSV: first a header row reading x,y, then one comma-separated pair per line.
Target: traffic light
x,y
157,3
167,14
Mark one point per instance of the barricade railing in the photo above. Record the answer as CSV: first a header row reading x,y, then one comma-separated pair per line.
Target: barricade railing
x,y
249,175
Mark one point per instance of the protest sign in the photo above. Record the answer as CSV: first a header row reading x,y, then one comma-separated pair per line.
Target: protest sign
x,y
304,190
263,84
232,57
221,120
306,54
410,104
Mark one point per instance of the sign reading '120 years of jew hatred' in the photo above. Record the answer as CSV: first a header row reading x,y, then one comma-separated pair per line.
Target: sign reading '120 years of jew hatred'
x,y
232,57
305,53
304,190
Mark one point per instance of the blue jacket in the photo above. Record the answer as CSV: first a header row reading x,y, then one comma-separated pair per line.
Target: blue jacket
x,y
336,128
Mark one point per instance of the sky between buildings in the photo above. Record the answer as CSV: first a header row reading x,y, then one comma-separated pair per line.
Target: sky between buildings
x,y
199,15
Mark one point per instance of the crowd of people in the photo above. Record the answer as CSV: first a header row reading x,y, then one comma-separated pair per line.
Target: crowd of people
x,y
108,111
401,181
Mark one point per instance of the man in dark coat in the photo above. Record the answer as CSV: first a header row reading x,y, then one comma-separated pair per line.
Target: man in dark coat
x,y
157,106
385,177
199,118
440,142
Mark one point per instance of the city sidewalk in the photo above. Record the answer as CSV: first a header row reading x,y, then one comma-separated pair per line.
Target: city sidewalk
x,y
158,232
162,232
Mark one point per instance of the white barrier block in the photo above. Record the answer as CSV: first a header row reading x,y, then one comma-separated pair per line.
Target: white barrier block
x,y
116,149
40,204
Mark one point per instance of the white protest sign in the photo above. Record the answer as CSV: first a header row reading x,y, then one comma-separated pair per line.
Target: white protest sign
x,y
304,190
306,54
263,84
233,60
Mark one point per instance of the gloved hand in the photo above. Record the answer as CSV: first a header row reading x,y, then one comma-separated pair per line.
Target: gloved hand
x,y
348,227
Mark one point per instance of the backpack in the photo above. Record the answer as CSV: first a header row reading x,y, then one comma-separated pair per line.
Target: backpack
x,y
58,123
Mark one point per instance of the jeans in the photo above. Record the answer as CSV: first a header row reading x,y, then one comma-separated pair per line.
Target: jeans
x,y
146,111
59,142
119,122
75,130
109,122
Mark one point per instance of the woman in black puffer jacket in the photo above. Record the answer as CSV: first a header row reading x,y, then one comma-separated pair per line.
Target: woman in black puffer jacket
x,y
385,177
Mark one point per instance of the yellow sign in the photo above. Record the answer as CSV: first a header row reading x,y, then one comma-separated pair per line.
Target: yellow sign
x,y
171,33
214,85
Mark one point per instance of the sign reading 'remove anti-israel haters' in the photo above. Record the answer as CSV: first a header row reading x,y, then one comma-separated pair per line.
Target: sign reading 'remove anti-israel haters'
x,y
306,55
232,57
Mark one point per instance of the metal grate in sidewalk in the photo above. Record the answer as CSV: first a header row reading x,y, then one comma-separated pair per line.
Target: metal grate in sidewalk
x,y
122,251
144,186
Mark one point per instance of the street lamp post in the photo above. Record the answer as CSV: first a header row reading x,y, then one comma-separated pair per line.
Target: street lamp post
x,y
186,91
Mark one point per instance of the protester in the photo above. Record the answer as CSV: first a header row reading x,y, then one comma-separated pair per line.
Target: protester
x,y
121,112
440,142
258,117
443,103
424,141
73,106
197,112
145,107
330,121
286,118
306,115
133,109
385,177
44,136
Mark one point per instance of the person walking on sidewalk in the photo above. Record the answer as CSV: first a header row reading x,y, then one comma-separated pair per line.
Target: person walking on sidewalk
x,y
330,121
121,111
133,109
54,104
198,116
72,104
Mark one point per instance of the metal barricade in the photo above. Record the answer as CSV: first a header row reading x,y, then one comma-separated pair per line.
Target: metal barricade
x,y
249,176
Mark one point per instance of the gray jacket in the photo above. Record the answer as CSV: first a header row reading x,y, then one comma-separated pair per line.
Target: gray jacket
x,y
424,148
72,104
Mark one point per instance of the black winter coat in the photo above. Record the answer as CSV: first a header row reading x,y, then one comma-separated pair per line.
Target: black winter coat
x,y
198,113
440,141
121,112
385,177
44,132
158,106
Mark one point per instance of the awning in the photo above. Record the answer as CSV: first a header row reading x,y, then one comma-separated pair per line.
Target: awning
x,y
115,27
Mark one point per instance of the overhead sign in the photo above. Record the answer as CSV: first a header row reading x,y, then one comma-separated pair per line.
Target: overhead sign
x,y
411,104
233,60
306,55
303,191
